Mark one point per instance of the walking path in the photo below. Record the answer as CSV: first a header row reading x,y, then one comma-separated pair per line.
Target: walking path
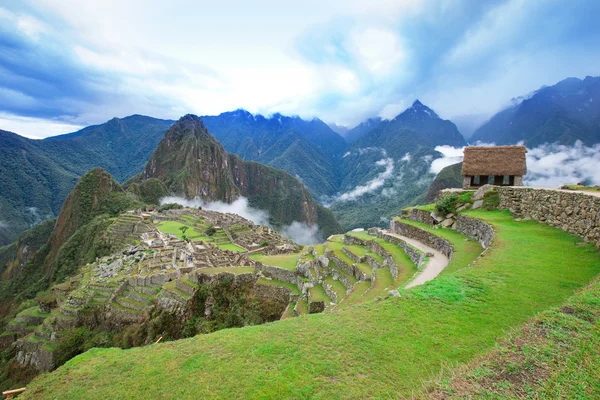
x,y
432,269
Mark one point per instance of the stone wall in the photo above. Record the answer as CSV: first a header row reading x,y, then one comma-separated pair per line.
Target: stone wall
x,y
427,238
415,255
34,354
414,214
281,274
575,212
475,229
278,293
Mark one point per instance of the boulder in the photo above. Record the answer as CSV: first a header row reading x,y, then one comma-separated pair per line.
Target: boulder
x,y
477,204
482,191
436,217
447,222
394,293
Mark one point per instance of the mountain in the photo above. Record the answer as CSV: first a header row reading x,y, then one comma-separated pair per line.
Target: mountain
x,y
563,113
361,129
339,129
37,175
448,177
389,167
190,162
309,150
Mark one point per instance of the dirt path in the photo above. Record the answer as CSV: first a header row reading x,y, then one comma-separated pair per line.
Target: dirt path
x,y
432,269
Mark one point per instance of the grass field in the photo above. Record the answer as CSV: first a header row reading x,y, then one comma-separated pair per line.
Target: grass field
x,y
385,349
286,261
231,247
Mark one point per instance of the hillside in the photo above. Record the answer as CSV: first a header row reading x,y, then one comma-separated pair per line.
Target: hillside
x,y
388,168
191,163
448,177
562,113
37,175
450,320
315,149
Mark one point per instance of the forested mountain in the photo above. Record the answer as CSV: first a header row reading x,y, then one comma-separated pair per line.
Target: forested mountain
x,y
388,167
37,175
309,150
192,163
563,113
361,129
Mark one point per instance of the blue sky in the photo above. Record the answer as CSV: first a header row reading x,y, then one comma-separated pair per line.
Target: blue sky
x,y
71,63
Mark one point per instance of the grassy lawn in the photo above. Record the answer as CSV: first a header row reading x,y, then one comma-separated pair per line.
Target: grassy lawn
x,y
231,247
317,293
386,349
302,307
337,286
172,227
581,187
320,249
286,261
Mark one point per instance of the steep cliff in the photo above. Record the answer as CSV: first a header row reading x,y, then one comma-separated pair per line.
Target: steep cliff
x,y
192,163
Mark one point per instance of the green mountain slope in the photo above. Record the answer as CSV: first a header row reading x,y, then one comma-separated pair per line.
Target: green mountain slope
x,y
37,175
563,113
309,150
449,177
388,168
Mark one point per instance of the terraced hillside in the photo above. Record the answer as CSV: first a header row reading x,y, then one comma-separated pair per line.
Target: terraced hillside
x,y
367,344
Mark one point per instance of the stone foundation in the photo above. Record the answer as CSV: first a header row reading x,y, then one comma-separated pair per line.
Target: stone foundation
x,y
427,238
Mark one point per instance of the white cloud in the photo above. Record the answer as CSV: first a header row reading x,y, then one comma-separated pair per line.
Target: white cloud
x,y
27,24
379,50
450,155
302,233
35,128
3,225
556,165
299,232
373,184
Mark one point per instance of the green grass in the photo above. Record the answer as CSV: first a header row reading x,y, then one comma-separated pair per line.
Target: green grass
x,y
33,312
273,282
172,227
289,312
317,293
302,307
286,261
231,247
383,281
581,187
385,349
337,286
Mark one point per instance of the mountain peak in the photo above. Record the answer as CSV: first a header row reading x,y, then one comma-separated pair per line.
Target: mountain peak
x,y
418,111
189,125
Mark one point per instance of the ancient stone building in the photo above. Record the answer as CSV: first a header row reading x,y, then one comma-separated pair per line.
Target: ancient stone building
x,y
496,165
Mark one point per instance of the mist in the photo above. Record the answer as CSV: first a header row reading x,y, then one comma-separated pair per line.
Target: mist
x,y
299,232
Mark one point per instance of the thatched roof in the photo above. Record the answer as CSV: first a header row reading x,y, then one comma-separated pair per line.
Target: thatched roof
x,y
494,160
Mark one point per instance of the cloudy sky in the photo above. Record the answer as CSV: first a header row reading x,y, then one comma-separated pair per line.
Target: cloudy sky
x,y
70,63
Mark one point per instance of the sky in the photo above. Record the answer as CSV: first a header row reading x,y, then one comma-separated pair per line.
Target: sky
x,y
65,64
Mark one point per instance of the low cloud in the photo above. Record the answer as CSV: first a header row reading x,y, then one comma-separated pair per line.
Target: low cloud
x,y
3,225
239,207
299,232
302,233
555,165
373,184
450,155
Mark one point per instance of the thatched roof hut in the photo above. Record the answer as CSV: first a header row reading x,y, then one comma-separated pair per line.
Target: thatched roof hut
x,y
494,160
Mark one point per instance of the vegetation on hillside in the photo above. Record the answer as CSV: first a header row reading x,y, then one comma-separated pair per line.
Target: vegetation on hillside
x,y
452,319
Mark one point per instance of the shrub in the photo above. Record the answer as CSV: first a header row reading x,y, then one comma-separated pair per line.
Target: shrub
x,y
491,200
210,230
170,206
446,204
264,243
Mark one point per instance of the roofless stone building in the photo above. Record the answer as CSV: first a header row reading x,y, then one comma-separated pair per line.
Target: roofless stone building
x,y
496,165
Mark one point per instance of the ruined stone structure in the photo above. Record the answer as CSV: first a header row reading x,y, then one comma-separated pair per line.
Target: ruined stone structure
x,y
496,165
